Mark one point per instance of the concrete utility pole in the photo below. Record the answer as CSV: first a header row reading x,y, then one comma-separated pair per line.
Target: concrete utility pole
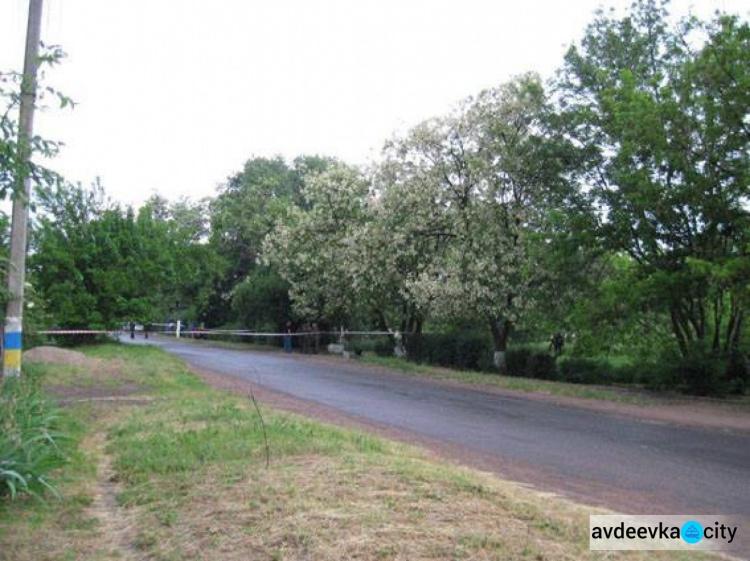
x,y
22,194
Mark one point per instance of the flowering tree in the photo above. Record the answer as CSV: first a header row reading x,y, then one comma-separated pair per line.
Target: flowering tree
x,y
454,227
314,250
473,190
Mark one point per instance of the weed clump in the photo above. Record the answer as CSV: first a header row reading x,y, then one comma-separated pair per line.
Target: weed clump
x,y
29,438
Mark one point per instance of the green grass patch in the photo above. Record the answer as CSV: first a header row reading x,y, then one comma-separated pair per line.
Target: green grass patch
x,y
526,385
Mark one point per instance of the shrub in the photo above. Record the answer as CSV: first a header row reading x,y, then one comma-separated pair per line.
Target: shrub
x,y
626,374
384,347
585,371
381,346
737,373
29,438
459,349
699,373
472,351
541,366
530,364
516,360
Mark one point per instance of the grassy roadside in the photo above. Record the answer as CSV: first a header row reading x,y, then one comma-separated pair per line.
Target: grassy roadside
x,y
527,385
171,469
548,387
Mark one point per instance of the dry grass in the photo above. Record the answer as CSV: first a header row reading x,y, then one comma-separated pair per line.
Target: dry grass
x,y
185,478
368,507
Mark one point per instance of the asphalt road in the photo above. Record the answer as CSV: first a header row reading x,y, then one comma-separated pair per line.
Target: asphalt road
x,y
662,468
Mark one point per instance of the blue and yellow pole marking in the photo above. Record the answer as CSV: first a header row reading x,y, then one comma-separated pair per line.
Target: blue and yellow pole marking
x,y
12,347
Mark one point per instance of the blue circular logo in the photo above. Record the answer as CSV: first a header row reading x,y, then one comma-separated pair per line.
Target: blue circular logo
x,y
692,532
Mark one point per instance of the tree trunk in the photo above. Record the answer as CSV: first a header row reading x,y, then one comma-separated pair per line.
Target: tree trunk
x,y
500,331
413,323
382,323
677,329
718,318
734,329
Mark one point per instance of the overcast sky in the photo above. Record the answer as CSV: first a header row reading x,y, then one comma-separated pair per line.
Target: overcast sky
x,y
174,95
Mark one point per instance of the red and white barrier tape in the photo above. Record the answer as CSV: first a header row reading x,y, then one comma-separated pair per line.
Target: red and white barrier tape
x,y
76,332
255,334
236,332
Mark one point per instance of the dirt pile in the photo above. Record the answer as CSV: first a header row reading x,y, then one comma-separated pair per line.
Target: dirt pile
x,y
56,355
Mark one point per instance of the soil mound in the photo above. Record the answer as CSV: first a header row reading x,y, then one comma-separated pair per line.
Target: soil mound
x,y
55,355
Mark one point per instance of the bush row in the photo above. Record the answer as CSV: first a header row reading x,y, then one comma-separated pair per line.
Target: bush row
x,y
464,350
698,374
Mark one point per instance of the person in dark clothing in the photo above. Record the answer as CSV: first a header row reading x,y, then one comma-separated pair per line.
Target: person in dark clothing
x,y
288,338
132,330
556,342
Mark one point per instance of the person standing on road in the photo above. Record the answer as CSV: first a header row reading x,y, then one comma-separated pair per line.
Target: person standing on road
x,y
288,338
132,330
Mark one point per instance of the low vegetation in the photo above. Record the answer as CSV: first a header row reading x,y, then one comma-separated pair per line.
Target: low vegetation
x,y
32,444
170,469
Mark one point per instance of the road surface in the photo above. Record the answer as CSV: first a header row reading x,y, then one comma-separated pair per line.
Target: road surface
x,y
623,463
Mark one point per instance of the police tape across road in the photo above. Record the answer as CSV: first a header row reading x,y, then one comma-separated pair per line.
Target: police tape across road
x,y
245,333
78,332
235,332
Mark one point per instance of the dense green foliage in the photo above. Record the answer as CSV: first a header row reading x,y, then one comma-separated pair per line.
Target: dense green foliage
x,y
664,124
242,215
457,348
98,264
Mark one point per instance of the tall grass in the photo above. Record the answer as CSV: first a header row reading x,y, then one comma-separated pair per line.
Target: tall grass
x,y
29,438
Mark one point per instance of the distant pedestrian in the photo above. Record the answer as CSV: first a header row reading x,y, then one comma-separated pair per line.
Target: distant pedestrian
x,y
556,343
132,330
288,338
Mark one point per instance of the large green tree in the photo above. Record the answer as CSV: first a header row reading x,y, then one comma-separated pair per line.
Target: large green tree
x,y
180,231
243,213
95,263
661,111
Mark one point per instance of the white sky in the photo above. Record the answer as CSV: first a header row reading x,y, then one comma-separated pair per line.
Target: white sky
x,y
174,95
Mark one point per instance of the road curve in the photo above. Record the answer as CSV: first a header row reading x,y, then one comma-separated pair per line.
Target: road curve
x,y
647,467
